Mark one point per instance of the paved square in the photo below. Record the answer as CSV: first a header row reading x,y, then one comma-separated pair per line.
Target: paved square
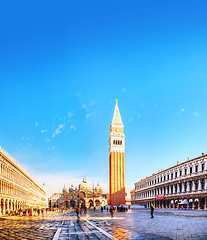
x,y
133,224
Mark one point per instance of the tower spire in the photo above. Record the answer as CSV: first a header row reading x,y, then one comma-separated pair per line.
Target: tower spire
x,y
117,117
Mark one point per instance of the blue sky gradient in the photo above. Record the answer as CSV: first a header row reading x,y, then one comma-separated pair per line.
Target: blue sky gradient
x,y
63,64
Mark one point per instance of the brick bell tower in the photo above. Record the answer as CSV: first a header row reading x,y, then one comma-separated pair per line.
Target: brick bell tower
x,y
116,160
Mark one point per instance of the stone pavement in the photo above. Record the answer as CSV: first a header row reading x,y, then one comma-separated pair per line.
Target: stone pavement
x,y
166,224
133,224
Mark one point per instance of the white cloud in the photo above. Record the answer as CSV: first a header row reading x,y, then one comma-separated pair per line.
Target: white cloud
x,y
91,103
70,115
72,127
88,115
83,106
123,89
182,110
48,140
58,130
142,104
36,124
195,114
43,130
51,148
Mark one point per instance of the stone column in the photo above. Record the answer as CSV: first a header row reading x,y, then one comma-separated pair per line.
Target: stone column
x,y
199,184
170,189
3,210
188,187
199,167
183,187
193,185
174,188
205,185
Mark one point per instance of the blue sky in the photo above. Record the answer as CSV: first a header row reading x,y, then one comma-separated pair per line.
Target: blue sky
x,y
63,64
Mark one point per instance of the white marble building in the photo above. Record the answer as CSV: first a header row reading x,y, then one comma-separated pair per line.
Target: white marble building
x,y
183,185
18,190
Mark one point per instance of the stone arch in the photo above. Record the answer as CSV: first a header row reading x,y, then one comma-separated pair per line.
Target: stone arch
x,y
82,194
72,203
196,203
91,203
202,203
6,203
2,206
66,204
97,203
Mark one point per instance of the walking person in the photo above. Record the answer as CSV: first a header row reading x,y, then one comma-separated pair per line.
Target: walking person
x,y
112,211
42,212
78,212
152,210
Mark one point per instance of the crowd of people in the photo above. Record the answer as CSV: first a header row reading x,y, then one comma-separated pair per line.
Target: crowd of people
x,y
27,212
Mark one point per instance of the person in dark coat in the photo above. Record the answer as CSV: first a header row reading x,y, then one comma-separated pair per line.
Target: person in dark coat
x,y
152,210
112,211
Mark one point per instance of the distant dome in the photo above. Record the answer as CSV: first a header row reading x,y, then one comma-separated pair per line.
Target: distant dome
x,y
98,188
84,185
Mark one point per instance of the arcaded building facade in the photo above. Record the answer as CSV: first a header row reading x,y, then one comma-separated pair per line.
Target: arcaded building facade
x,y
18,190
183,185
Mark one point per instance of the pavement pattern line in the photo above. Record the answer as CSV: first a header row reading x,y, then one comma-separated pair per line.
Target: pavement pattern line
x,y
101,230
57,234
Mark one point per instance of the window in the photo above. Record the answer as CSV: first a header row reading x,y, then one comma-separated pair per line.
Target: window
x,y
176,174
168,177
161,179
164,178
180,172
171,189
190,184
176,188
191,170
158,180
202,183
196,168
185,171
155,181
203,166
180,186
171,175
196,185
185,186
